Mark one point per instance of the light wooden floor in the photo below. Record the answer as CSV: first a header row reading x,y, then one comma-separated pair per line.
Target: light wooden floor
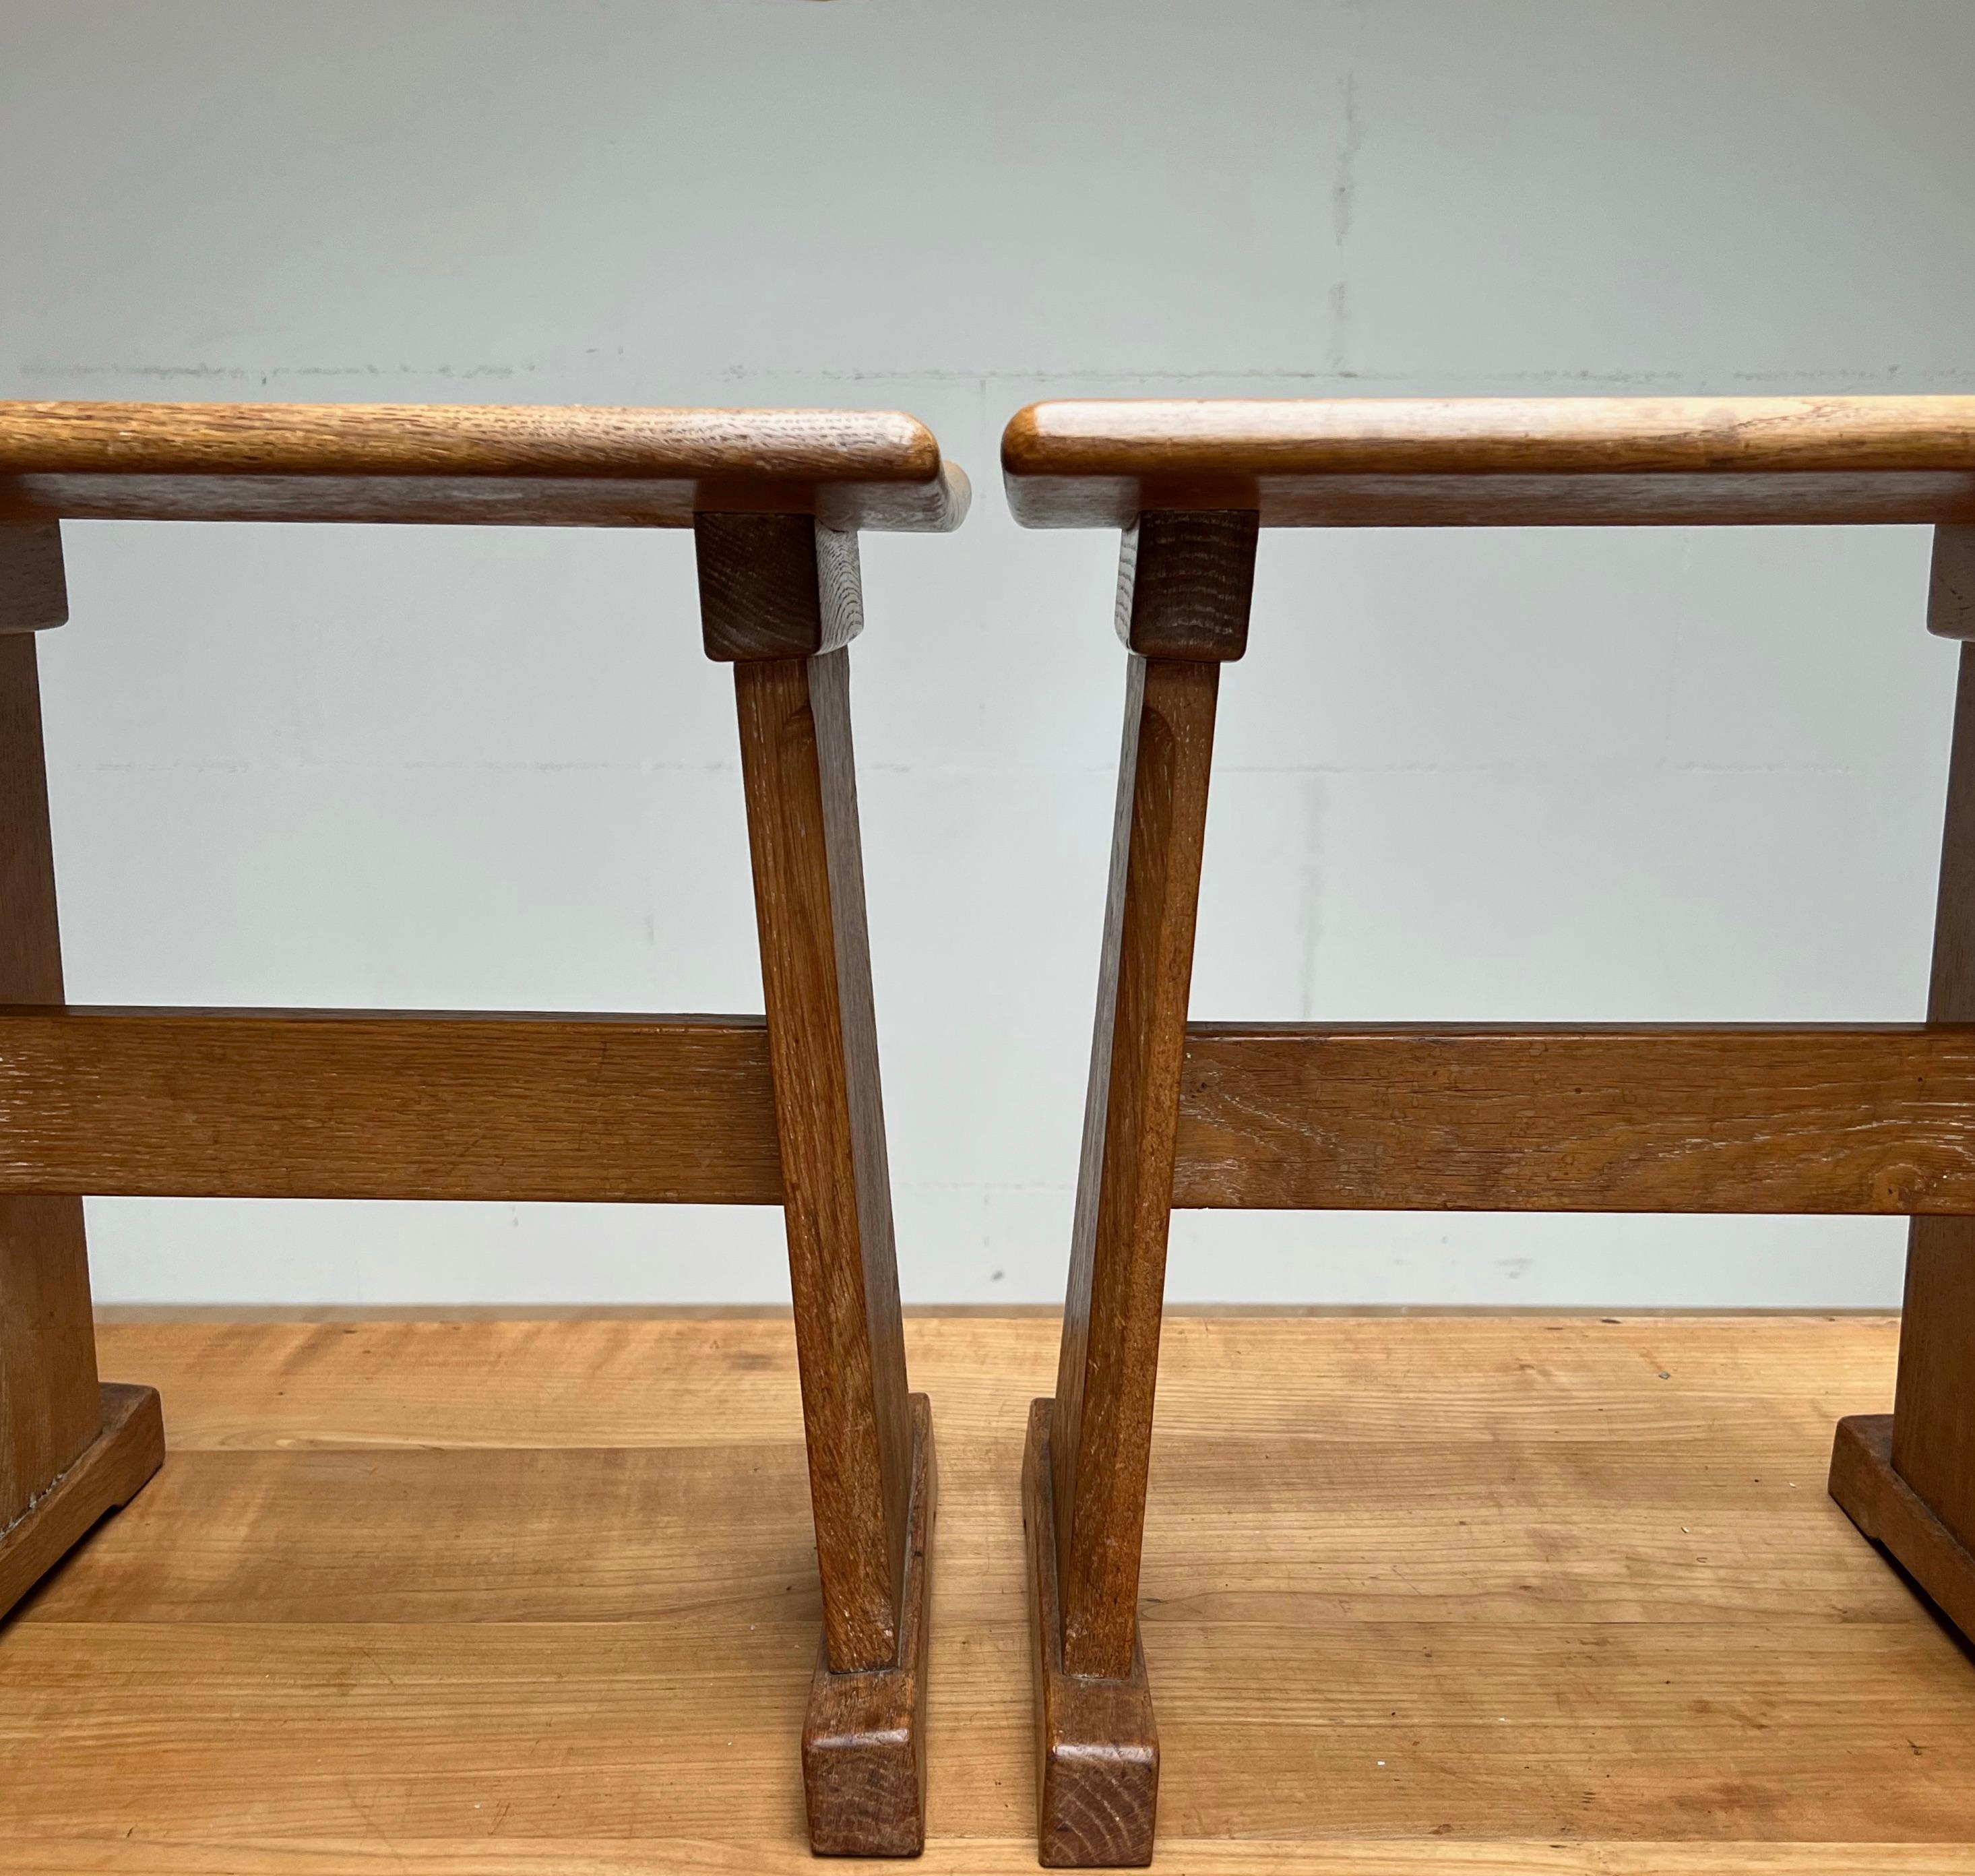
x,y
1472,1594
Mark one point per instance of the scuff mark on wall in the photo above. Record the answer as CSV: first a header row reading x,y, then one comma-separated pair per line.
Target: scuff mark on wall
x,y
1343,200
270,374
1310,879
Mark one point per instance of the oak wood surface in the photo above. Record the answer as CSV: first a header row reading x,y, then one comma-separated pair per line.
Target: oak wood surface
x,y
33,587
1185,582
1887,1508
1107,1375
619,1856
1750,1117
1519,461
1594,1621
864,1734
507,464
798,766
1933,1429
346,1105
1097,1741
128,1447
775,585
50,1408
1950,592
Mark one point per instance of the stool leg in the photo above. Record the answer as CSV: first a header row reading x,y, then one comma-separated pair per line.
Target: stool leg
x,y
1084,1496
70,1448
1907,1478
1185,581
872,1476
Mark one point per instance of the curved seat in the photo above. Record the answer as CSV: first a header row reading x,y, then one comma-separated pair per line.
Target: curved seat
x,y
512,465
1469,462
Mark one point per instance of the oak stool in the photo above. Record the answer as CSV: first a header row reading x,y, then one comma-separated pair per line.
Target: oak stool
x,y
327,1104
1756,1118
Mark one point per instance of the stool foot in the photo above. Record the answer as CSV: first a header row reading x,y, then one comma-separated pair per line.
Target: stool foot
x,y
113,1468
1890,1512
863,1748
1097,1749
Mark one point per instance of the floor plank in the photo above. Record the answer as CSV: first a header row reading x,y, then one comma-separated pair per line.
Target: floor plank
x,y
1482,1595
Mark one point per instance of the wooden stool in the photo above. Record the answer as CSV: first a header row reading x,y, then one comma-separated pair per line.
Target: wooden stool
x,y
297,1104
1670,1117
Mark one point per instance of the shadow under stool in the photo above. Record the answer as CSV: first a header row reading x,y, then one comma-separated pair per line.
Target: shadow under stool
x,y
783,1110
1756,1118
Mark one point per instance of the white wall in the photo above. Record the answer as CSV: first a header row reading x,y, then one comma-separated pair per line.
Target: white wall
x,y
1596,776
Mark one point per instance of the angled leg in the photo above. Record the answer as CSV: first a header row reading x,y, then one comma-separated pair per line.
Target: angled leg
x,y
70,1449
1907,1478
779,599
1183,610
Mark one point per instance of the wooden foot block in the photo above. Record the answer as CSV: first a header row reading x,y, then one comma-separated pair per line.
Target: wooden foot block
x,y
113,1468
1097,1750
863,1745
1889,1511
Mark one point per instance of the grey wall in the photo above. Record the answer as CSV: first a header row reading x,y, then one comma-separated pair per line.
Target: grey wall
x,y
1596,776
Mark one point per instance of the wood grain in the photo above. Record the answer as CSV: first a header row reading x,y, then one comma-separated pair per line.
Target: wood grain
x,y
1671,1118
798,765
1951,593
128,1447
1596,1623
1185,582
34,589
631,1381
329,1104
1933,1427
1881,1504
508,1855
200,1553
50,1408
1512,462
775,585
864,1734
1097,1744
505,465
1100,1439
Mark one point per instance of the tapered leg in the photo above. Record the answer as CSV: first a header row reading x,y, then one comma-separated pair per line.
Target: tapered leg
x,y
779,597
1183,610
69,1449
1908,1478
